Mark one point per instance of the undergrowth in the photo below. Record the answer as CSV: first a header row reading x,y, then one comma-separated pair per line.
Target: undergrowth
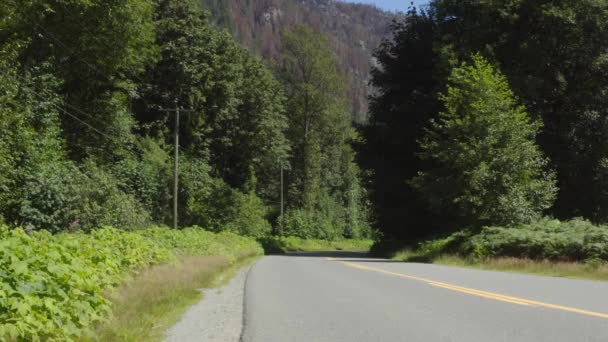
x,y
54,287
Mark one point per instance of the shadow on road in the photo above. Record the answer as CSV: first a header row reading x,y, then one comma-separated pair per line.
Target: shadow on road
x,y
328,254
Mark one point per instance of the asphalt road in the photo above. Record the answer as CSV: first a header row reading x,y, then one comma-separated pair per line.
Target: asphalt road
x,y
346,297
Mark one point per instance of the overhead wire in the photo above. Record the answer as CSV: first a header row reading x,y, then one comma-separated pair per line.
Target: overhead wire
x,y
37,92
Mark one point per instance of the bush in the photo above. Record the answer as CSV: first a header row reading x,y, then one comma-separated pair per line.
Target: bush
x,y
309,224
248,216
195,241
50,196
327,221
102,202
284,244
546,239
52,287
149,178
211,203
574,240
59,196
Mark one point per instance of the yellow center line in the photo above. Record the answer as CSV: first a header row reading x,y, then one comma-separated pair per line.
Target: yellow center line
x,y
475,292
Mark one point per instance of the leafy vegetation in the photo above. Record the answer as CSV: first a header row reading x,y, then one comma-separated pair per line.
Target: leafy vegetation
x,y
54,286
325,197
547,239
86,139
284,244
486,167
494,126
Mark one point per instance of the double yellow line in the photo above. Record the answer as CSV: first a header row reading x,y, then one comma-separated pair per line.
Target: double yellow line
x,y
478,293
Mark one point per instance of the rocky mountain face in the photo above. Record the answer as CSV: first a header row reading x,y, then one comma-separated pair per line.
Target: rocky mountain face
x,y
355,30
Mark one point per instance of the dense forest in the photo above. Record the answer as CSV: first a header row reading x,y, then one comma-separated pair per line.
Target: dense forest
x,y
89,93
491,113
486,136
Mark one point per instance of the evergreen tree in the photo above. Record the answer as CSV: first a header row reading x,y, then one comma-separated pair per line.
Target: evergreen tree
x,y
554,55
486,167
236,118
323,182
406,83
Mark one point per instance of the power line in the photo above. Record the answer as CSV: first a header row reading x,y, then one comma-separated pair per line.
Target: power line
x,y
83,122
36,93
24,83
32,91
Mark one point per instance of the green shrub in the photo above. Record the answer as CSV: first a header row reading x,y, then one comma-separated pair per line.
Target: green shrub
x,y
102,202
574,240
283,244
50,196
59,196
211,203
196,241
52,287
325,223
546,239
248,215
148,177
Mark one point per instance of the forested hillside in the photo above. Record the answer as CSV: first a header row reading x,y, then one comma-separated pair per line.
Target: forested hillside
x,y
89,122
354,30
486,132
89,133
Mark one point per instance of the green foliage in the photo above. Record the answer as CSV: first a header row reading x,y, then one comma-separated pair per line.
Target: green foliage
x,y
236,118
102,202
546,239
284,244
50,197
196,241
147,177
211,203
248,215
485,165
554,55
54,287
550,239
408,79
325,197
326,222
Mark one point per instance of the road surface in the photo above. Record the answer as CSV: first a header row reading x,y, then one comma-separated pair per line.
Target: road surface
x,y
347,297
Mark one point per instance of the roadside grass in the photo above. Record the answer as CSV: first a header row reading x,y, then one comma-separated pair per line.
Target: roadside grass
x,y
154,300
593,270
274,245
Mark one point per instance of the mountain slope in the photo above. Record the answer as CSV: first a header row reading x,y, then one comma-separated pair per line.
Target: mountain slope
x,y
355,30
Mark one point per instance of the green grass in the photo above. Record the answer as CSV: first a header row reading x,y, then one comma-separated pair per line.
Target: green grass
x,y
155,300
594,270
276,244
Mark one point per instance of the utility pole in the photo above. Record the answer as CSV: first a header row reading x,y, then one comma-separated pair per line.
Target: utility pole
x,y
177,112
176,163
281,220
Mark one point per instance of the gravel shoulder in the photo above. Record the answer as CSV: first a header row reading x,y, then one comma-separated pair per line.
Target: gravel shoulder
x,y
218,317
